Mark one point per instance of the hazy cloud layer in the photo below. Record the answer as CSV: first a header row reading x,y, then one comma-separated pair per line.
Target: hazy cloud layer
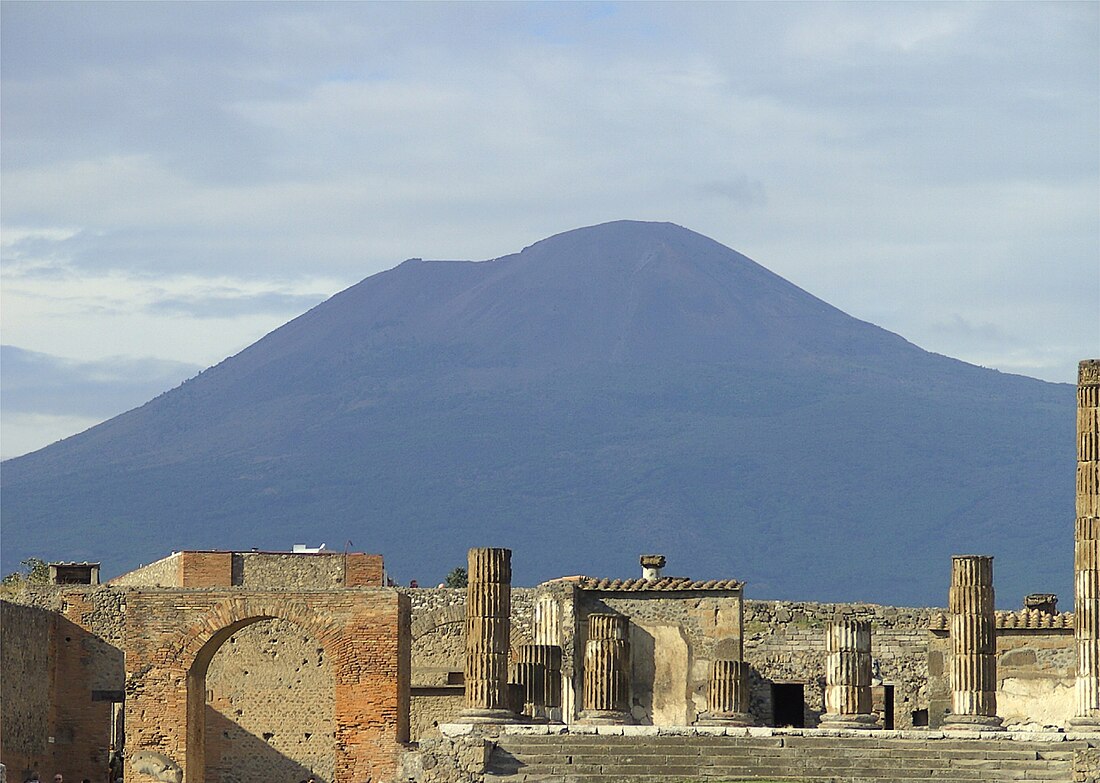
x,y
932,168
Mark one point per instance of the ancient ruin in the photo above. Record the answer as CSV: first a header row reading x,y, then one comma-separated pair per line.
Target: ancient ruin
x,y
290,665
1086,555
848,675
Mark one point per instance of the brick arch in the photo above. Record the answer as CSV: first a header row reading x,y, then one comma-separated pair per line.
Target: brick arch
x,y
446,615
171,635
203,638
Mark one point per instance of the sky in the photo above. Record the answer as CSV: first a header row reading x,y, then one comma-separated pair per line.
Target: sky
x,y
178,179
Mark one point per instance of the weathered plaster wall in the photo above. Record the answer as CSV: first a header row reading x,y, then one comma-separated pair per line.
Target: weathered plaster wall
x,y
1036,672
674,636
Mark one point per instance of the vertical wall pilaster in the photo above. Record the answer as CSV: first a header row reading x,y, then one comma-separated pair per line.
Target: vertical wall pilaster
x,y
607,670
1086,546
973,645
848,675
488,629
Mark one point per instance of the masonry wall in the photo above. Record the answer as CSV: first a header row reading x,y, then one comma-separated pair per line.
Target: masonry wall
x,y
1036,673
25,638
161,573
260,570
84,674
439,651
785,643
674,636
270,707
363,635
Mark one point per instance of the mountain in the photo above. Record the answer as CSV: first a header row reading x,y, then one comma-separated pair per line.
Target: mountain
x,y
613,390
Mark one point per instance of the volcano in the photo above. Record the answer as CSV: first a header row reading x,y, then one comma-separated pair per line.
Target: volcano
x,y
618,389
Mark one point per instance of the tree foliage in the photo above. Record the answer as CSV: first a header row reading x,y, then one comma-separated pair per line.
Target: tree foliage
x,y
457,577
35,571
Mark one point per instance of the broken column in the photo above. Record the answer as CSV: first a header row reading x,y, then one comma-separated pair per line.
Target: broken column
x,y
973,645
606,670
539,671
848,676
488,629
1086,547
727,694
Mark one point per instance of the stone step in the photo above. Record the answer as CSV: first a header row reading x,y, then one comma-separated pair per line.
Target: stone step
x,y
622,759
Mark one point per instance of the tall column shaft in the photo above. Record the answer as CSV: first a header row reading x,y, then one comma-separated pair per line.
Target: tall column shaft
x,y
488,631
1086,546
973,644
607,669
848,675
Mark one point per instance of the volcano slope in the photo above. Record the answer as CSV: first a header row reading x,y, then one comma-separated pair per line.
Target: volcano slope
x,y
618,389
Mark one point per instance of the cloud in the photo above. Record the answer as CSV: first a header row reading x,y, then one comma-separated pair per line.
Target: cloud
x,y
229,304
38,383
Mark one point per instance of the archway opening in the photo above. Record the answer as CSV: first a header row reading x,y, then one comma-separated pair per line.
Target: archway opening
x,y
261,704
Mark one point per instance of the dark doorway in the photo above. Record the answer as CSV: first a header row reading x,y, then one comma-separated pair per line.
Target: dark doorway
x,y
888,707
920,718
788,704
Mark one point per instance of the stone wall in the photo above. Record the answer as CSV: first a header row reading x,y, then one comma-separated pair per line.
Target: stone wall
x,y
270,709
25,638
260,570
1036,672
785,643
160,573
83,676
674,636
438,635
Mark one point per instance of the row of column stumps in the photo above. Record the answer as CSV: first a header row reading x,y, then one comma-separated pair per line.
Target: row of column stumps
x,y
1086,548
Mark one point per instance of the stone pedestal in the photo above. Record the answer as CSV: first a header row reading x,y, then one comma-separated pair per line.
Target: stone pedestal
x,y
848,676
488,629
607,670
1086,546
973,645
727,695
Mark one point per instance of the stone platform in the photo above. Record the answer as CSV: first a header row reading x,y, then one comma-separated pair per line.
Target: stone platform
x,y
637,754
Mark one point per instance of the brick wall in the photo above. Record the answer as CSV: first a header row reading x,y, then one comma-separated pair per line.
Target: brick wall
x,y
206,569
363,633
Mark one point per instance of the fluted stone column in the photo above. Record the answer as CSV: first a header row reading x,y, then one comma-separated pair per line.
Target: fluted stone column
x,y
848,676
488,628
727,694
607,670
1086,546
973,645
539,671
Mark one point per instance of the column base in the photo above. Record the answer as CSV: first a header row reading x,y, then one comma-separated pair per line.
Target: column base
x,y
972,723
725,719
1086,724
853,721
487,716
604,717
